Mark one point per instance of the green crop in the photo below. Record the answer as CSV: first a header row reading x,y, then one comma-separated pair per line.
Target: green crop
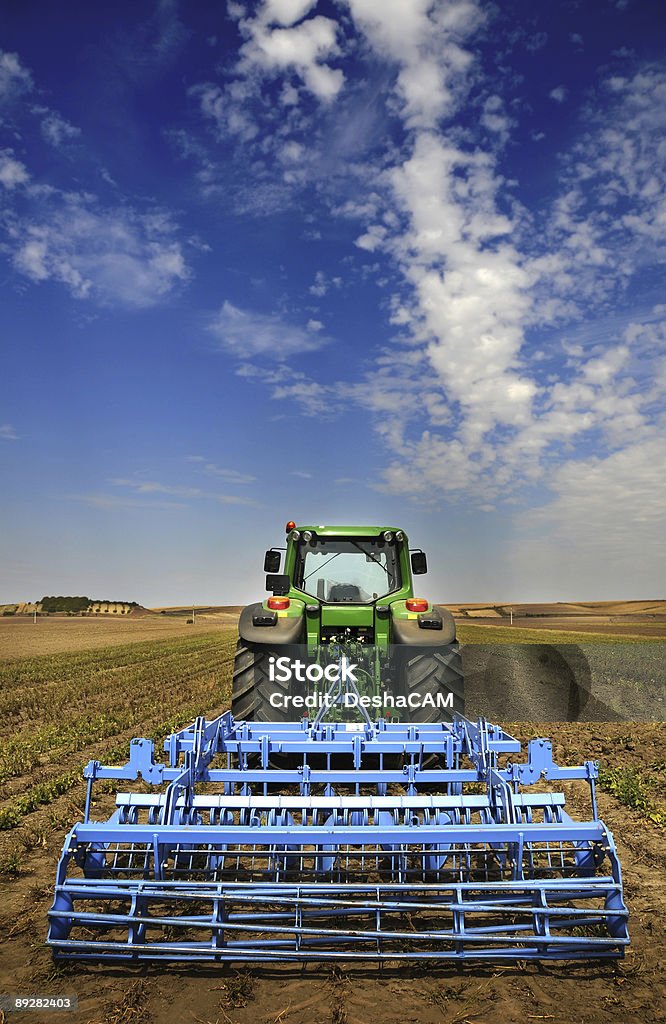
x,y
62,710
638,789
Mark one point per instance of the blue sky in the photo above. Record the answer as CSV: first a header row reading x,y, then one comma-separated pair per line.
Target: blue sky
x,y
373,260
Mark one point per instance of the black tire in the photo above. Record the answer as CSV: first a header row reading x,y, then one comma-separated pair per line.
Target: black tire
x,y
251,691
434,671
247,673
252,688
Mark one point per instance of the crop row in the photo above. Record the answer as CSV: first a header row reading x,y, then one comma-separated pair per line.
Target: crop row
x,y
39,689
644,789
151,694
35,687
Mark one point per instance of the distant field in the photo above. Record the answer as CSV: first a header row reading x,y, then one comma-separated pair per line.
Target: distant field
x,y
20,637
588,625
613,618
200,609
481,633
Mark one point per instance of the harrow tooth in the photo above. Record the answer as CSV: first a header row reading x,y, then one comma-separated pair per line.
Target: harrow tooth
x,y
226,859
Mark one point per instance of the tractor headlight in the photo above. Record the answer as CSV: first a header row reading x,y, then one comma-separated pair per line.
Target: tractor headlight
x,y
307,536
399,536
388,536
295,535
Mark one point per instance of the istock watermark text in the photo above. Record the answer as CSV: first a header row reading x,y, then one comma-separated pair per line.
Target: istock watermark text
x,y
284,670
384,701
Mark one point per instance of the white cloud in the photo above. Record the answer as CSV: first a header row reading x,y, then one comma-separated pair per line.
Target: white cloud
x,y
56,130
463,397
322,284
436,213
423,39
559,94
608,223
491,417
113,255
299,391
495,118
151,487
280,42
310,397
14,78
302,49
474,298
225,107
247,334
291,153
234,499
117,502
120,254
7,432
470,290
372,239
232,476
12,171
606,517
154,487
286,12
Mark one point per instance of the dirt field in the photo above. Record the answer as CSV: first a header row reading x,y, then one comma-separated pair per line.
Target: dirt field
x,y
562,681
61,709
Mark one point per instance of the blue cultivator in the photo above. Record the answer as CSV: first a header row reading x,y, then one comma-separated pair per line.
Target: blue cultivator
x,y
382,841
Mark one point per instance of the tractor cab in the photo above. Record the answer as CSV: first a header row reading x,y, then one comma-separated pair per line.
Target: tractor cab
x,y
344,564
345,581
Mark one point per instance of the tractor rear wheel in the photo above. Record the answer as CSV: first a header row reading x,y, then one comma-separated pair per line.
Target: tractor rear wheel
x,y
434,673
251,692
252,686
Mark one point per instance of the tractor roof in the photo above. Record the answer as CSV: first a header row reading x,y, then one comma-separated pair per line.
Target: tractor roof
x,y
347,531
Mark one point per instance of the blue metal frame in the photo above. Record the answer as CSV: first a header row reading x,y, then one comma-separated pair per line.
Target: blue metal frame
x,y
379,841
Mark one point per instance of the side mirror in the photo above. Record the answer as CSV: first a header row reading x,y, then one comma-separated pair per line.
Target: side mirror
x,y
272,561
279,583
419,563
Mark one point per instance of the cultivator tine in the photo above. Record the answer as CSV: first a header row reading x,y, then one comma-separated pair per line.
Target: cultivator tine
x,y
220,857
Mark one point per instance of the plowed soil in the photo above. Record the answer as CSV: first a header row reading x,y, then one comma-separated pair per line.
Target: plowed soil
x,y
593,993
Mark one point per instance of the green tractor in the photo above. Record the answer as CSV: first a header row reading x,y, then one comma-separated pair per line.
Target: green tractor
x,y
344,609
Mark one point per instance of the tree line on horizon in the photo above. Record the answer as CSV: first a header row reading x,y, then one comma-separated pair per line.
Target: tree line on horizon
x,y
76,604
